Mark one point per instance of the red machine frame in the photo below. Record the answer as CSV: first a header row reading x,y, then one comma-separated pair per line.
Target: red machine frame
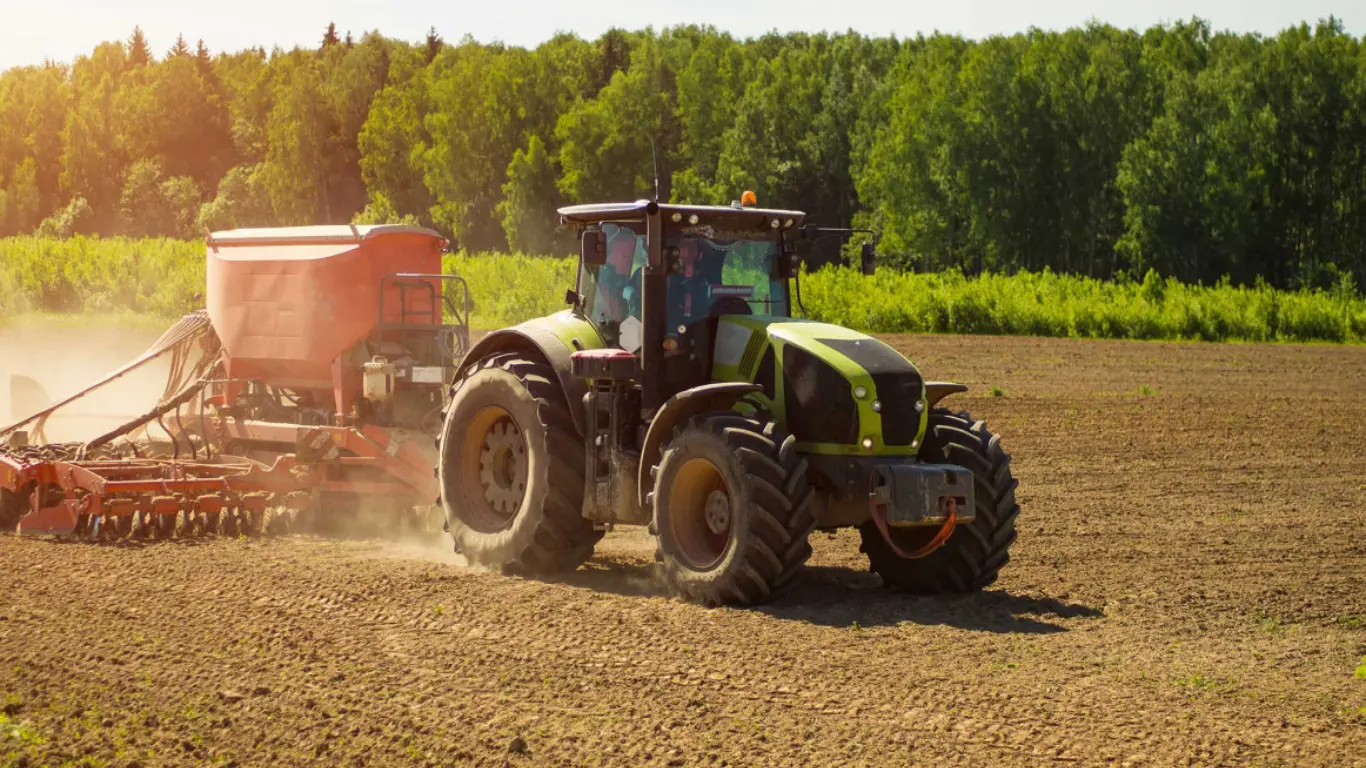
x,y
388,462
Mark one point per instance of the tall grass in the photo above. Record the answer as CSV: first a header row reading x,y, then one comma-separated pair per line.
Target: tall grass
x,y
166,277
1047,304
508,288
89,274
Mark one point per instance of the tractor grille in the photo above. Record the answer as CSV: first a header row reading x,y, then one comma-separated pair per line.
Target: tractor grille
x,y
820,406
757,342
899,392
898,385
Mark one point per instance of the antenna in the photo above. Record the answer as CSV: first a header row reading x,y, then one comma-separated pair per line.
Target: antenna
x,y
655,161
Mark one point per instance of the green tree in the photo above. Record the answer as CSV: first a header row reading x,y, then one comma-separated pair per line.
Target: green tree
x,y
22,202
92,158
180,48
139,53
433,45
394,138
243,200
154,206
910,182
1196,184
476,123
708,88
248,87
75,218
170,113
609,145
352,76
298,132
34,104
529,201
204,61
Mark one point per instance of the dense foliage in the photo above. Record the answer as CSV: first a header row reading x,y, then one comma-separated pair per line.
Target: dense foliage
x,y
1094,151
166,277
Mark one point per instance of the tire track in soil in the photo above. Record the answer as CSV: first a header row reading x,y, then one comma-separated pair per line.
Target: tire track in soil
x,y
1187,589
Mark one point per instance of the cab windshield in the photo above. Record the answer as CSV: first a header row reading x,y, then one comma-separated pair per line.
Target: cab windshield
x,y
711,274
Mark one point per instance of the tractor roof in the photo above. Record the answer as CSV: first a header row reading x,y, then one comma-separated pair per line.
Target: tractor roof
x,y
720,216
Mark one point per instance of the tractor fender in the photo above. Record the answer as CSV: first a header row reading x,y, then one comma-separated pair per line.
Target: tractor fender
x,y
719,396
938,390
541,345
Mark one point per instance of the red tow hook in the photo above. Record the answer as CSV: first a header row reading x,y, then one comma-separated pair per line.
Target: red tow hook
x,y
880,520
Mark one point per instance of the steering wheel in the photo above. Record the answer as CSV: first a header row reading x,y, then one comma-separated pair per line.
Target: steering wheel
x,y
730,305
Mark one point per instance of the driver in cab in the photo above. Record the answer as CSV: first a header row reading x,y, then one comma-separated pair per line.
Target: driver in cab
x,y
689,291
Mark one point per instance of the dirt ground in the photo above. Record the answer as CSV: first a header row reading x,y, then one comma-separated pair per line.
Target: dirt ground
x,y
1189,588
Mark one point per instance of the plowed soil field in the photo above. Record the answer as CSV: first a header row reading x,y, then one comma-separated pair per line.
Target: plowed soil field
x,y
1189,587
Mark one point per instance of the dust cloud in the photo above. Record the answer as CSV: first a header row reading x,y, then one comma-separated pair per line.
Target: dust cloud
x,y
65,356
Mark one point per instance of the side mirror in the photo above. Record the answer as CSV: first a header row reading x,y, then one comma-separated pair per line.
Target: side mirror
x,y
869,255
593,247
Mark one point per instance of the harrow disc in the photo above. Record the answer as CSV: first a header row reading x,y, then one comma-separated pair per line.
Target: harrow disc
x,y
184,524
138,529
251,522
227,524
279,521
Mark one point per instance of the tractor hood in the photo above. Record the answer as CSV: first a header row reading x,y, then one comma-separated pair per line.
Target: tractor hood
x,y
838,391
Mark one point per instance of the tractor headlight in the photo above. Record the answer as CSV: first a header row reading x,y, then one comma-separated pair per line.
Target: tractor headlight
x,y
919,406
677,217
860,391
867,443
877,406
692,219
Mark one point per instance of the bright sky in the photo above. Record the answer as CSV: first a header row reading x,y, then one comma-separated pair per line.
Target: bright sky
x,y
32,30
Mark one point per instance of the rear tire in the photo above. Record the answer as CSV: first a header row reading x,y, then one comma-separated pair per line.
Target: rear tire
x,y
973,556
511,470
732,510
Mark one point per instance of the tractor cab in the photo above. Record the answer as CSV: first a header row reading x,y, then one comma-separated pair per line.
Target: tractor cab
x,y
667,274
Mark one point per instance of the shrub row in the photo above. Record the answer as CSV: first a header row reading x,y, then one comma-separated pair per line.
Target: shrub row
x,y
166,277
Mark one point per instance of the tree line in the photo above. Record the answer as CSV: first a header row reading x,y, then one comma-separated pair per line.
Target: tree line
x,y
1098,151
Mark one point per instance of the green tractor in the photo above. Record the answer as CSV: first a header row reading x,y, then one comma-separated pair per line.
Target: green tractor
x,y
679,392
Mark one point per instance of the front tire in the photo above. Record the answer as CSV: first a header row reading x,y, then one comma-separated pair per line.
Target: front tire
x,y
732,510
511,471
973,556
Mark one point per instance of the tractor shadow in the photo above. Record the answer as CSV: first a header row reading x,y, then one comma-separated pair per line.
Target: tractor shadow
x,y
841,597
